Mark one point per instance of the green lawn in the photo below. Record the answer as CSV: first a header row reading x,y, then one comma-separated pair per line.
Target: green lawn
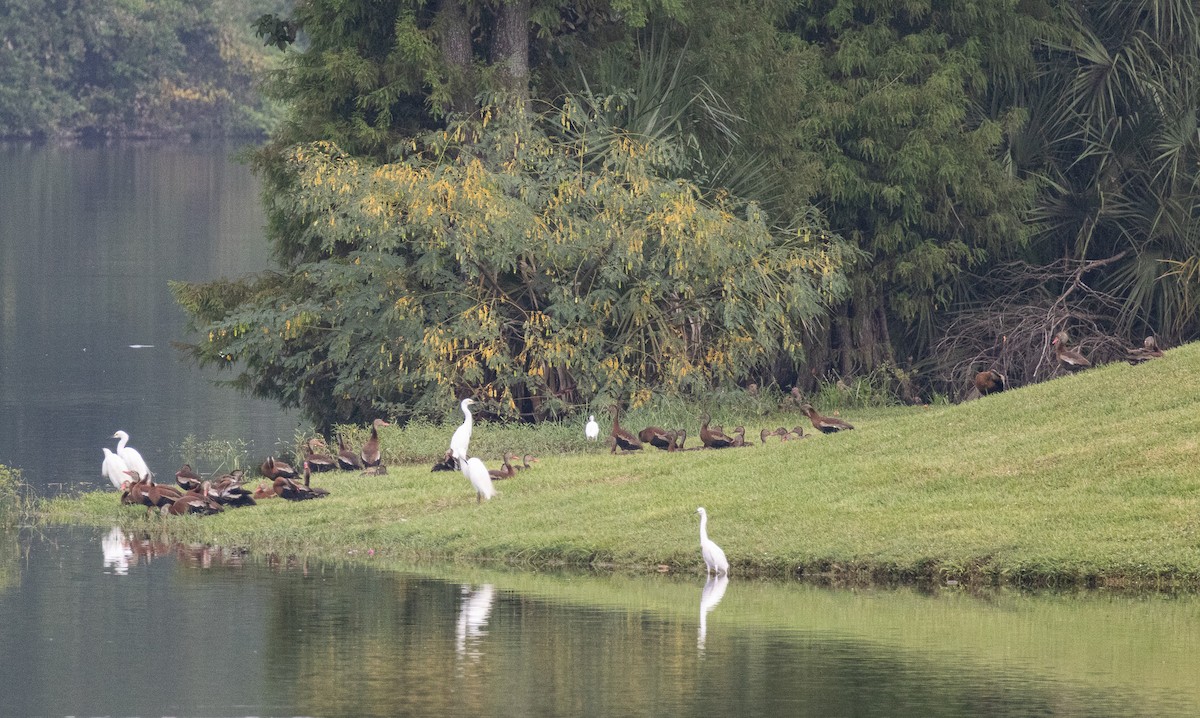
x,y
1092,477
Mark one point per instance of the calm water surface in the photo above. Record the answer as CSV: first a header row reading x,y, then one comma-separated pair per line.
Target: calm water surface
x,y
105,623
89,239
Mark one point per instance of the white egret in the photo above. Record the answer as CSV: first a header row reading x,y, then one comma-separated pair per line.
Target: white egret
x,y
114,468
592,430
475,470
462,435
131,456
714,557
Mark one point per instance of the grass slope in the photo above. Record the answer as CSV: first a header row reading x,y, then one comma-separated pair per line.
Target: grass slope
x,y
1092,477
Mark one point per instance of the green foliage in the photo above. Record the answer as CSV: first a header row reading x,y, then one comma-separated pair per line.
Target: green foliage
x,y
135,68
213,454
491,261
14,497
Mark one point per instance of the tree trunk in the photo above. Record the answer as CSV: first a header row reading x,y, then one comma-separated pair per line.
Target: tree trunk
x,y
454,41
510,50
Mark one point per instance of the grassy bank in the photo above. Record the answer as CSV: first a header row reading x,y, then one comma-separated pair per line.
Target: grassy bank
x,y
1089,478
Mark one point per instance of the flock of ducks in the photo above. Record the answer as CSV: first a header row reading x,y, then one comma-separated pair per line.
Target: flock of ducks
x,y
991,381
127,471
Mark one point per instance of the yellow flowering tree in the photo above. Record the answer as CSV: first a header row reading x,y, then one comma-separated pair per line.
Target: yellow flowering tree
x,y
504,258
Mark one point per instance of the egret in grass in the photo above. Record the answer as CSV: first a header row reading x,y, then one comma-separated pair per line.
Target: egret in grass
x,y
132,458
475,470
714,557
114,468
462,435
592,430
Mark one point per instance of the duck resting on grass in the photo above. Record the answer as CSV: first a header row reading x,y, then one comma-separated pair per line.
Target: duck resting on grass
x,y
1149,350
1070,358
990,381
657,437
369,454
347,460
713,438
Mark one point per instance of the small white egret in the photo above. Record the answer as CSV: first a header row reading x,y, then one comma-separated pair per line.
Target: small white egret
x,y
114,468
714,557
462,435
131,456
475,470
592,430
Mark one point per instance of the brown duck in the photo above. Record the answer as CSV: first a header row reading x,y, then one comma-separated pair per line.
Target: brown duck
x,y
656,436
274,468
196,501
713,438
622,438
316,460
347,460
825,424
990,382
506,470
1149,350
370,449
1070,358
187,479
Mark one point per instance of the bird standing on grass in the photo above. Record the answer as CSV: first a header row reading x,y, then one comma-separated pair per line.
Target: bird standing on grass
x,y
714,557
462,435
475,470
592,429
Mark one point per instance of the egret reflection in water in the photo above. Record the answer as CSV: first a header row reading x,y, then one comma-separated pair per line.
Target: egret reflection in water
x,y
117,552
472,619
714,591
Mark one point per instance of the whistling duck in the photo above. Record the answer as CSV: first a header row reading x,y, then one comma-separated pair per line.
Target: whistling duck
x,y
525,461
318,461
346,458
506,470
370,449
273,468
591,430
460,441
114,468
264,492
448,463
195,502
289,489
1149,350
188,479
799,432
990,382
474,469
762,435
740,436
680,438
144,491
824,424
671,437
657,437
713,437
1070,358
228,491
377,470
130,455
714,557
622,438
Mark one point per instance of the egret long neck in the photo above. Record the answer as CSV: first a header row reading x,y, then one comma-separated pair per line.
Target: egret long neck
x,y
124,439
703,528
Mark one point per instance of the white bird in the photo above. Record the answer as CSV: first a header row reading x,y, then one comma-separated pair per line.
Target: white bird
x,y
462,435
592,430
114,468
131,456
475,470
714,557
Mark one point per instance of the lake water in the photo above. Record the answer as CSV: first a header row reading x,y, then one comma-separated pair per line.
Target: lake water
x,y
104,623
89,239
109,623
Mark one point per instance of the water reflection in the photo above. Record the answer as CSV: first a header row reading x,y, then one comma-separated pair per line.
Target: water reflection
x,y
117,552
472,619
710,596
318,638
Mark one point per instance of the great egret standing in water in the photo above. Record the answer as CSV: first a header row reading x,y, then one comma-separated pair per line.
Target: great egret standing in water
x,y
714,557
462,435
592,430
114,468
475,470
132,458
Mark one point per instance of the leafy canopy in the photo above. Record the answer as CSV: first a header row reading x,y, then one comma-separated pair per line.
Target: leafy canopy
x,y
502,258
